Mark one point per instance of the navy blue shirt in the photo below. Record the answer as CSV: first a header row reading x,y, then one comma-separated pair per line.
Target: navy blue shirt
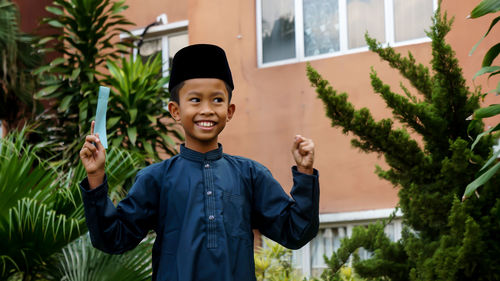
x,y
203,207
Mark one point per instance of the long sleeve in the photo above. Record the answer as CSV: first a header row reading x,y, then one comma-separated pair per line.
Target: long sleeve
x,y
292,222
118,229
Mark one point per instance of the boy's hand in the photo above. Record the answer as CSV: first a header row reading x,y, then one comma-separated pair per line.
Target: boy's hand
x,y
303,152
93,158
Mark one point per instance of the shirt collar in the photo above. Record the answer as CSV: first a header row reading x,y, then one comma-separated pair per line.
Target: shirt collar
x,y
198,156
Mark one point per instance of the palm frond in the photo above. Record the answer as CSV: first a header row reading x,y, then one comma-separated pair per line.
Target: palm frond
x,y
82,262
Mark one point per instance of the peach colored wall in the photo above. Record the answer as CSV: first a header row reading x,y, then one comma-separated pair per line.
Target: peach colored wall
x,y
275,103
144,12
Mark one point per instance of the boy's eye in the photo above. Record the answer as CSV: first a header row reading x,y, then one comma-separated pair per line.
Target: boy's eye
x,y
218,99
194,100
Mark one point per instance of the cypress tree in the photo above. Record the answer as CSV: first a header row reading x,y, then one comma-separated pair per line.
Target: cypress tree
x,y
443,238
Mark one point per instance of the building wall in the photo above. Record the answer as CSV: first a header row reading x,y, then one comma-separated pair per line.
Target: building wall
x,y
275,103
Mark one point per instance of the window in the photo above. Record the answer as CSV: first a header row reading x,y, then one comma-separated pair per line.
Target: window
x,y
164,40
309,262
296,30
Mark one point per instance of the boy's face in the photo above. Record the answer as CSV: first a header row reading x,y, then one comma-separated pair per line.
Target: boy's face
x,y
203,111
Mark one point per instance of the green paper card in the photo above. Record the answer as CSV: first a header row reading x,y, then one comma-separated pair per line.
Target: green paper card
x,y
100,116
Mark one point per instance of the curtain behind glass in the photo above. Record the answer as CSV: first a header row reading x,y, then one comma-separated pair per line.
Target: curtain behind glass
x,y
278,30
411,19
363,16
321,27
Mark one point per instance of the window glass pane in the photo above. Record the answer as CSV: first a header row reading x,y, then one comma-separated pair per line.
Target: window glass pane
x,y
411,19
278,30
363,16
175,43
321,27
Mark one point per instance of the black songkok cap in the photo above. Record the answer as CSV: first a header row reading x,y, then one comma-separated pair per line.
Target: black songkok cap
x,y
200,61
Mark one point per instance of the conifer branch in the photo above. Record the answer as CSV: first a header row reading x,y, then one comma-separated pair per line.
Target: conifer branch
x,y
417,75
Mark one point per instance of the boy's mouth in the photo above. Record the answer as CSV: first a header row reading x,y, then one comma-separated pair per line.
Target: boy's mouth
x,y
205,124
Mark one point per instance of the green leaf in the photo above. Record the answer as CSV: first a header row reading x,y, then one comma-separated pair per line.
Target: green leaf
x,y
54,10
486,69
47,91
471,187
486,112
65,103
75,74
493,22
132,134
46,39
112,121
485,7
56,24
148,147
83,110
57,61
117,141
151,119
41,69
491,55
133,114
491,160
494,129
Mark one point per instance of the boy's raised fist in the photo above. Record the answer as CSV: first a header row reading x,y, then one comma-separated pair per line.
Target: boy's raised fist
x,y
303,153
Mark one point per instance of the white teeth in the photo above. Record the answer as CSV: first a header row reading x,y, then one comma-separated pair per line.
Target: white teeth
x,y
206,124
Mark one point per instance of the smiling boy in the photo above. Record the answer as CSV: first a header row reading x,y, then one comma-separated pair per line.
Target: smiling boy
x,y
202,203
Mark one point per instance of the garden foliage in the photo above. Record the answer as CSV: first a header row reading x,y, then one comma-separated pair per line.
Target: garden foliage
x,y
41,209
71,81
490,168
444,239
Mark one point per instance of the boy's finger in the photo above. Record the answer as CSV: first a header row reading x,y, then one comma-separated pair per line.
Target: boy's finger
x,y
85,152
98,142
90,147
91,138
92,125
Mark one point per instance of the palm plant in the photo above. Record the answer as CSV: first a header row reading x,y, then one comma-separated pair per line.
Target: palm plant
x,y
17,59
80,261
87,28
490,168
40,207
137,116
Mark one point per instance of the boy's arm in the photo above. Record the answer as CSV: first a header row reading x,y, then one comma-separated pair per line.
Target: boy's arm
x,y
113,230
118,229
290,222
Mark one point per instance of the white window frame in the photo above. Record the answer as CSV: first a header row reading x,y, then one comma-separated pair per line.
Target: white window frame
x,y
162,32
349,220
344,50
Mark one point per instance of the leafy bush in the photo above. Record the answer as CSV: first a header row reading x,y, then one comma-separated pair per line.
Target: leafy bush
x,y
138,119
443,238
71,81
40,205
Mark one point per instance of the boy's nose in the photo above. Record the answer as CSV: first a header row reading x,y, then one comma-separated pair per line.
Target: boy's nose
x,y
206,109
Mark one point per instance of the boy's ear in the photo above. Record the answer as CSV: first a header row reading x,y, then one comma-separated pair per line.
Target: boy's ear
x,y
230,111
173,108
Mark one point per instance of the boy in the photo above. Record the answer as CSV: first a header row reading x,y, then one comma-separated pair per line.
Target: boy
x,y
202,203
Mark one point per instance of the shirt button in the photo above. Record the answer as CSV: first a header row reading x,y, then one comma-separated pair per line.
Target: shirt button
x,y
209,193
207,165
211,218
